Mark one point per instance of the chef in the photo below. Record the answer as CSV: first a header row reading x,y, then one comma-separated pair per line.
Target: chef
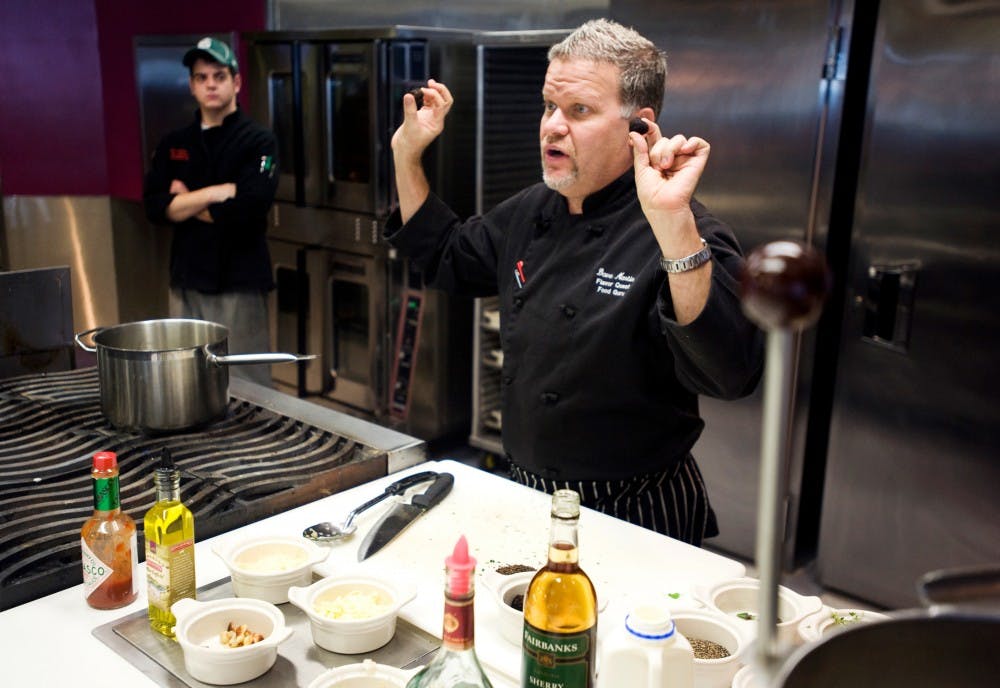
x,y
618,290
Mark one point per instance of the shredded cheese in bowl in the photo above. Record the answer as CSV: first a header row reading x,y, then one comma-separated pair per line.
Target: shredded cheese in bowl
x,y
355,605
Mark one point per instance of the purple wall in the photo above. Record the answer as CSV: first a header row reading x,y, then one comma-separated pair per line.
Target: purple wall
x,y
69,109
51,114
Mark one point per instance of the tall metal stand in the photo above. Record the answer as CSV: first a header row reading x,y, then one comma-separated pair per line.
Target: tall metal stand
x,y
784,286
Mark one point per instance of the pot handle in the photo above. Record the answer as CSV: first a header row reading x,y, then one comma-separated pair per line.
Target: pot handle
x,y
977,586
251,359
79,339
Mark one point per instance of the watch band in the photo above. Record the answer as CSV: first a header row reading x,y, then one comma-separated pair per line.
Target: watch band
x,y
688,262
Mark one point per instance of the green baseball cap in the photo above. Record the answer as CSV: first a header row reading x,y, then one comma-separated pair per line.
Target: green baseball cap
x,y
213,50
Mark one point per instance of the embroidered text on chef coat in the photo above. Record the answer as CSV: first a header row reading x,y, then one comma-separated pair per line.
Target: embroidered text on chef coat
x,y
612,284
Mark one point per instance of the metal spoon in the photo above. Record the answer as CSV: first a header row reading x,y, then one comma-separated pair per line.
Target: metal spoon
x,y
326,531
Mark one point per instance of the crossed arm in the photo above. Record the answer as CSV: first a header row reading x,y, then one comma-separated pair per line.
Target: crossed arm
x,y
187,204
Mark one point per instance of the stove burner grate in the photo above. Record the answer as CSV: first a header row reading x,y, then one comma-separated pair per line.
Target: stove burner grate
x,y
252,463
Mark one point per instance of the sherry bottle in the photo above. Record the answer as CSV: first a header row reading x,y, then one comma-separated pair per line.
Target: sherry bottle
x,y
560,609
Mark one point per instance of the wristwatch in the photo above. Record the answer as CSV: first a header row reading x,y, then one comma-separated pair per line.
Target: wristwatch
x,y
688,262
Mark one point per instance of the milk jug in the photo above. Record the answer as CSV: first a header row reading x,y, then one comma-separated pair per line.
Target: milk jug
x,y
646,652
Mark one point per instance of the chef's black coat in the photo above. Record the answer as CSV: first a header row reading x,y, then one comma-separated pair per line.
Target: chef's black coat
x,y
230,253
599,380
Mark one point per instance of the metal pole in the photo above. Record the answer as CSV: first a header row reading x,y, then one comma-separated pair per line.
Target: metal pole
x,y
770,522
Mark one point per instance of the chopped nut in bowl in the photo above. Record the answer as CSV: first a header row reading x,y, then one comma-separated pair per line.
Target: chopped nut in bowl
x,y
230,640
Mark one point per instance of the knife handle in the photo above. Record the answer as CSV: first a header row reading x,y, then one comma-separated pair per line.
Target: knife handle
x,y
409,481
435,493
398,487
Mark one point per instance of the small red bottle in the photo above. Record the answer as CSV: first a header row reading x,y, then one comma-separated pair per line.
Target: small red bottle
x,y
108,542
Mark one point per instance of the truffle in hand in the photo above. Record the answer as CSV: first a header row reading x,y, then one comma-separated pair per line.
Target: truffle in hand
x,y
637,125
418,95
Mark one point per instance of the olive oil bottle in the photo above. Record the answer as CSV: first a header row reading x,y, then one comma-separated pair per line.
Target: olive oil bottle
x,y
560,609
169,530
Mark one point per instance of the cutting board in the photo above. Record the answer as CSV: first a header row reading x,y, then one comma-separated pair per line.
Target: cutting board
x,y
506,523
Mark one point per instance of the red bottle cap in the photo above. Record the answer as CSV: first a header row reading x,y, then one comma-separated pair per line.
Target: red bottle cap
x,y
460,566
105,461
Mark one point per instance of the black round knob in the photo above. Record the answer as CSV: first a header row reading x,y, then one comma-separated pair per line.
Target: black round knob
x,y
784,284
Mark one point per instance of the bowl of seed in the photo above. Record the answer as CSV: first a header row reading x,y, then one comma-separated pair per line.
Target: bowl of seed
x,y
717,643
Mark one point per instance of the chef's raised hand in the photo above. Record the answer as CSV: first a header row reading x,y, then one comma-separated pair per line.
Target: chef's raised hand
x,y
421,125
667,171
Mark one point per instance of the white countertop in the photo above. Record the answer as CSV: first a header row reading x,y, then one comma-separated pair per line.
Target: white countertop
x,y
49,641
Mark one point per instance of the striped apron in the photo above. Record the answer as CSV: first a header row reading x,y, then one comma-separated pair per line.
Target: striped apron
x,y
674,502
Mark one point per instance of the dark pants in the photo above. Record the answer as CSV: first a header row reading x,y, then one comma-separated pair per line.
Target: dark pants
x,y
243,312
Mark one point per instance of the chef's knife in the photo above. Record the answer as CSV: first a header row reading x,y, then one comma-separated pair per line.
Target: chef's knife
x,y
401,515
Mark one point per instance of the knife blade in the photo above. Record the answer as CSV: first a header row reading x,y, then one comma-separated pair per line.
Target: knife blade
x,y
401,515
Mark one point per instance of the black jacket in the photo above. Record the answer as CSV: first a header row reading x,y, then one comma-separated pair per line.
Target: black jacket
x,y
599,380
230,253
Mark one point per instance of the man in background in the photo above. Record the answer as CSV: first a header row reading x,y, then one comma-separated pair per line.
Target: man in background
x,y
214,181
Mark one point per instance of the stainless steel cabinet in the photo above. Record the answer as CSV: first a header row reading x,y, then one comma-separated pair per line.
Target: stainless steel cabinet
x,y
913,472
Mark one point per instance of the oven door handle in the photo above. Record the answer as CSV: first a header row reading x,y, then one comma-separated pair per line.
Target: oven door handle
x,y
331,93
334,351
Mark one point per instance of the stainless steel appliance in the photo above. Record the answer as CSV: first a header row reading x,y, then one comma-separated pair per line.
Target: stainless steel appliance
x,y
269,453
872,139
390,349
772,74
333,99
914,455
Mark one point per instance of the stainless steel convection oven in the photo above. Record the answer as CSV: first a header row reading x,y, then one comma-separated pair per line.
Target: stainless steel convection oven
x,y
388,349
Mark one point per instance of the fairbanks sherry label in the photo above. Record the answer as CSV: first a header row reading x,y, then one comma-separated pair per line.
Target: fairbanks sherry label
x,y
557,660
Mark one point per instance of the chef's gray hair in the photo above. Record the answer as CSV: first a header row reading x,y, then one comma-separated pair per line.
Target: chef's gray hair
x,y
643,67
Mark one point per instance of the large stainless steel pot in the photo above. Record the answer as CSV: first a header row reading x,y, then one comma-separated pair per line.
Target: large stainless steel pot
x,y
954,642
164,375
914,648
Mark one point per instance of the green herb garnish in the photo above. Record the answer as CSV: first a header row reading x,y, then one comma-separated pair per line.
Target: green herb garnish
x,y
674,595
845,619
746,616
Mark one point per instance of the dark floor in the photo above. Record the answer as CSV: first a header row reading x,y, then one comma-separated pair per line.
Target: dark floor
x,y
459,450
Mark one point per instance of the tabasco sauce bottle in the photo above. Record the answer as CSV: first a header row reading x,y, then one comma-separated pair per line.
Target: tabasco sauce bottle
x,y
108,541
